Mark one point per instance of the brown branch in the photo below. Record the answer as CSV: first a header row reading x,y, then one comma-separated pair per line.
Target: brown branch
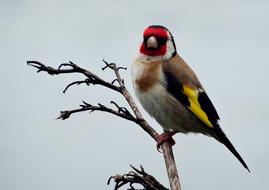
x,y
72,68
86,81
121,112
136,177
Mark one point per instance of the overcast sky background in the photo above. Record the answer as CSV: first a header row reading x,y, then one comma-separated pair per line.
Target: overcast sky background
x,y
226,42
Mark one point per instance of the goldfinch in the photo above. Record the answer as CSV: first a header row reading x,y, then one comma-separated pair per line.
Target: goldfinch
x,y
170,91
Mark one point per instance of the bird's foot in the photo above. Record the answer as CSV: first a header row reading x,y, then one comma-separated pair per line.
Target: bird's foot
x,y
166,136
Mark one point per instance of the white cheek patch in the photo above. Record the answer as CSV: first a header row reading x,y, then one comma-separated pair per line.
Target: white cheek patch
x,y
170,48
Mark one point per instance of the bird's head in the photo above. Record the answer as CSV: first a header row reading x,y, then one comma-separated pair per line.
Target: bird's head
x,y
158,42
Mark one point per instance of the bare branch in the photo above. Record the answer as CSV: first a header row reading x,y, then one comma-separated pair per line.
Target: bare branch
x,y
121,111
72,68
136,177
112,66
86,81
116,69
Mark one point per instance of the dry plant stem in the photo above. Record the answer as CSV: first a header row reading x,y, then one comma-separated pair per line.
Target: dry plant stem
x,y
166,147
136,177
170,166
121,111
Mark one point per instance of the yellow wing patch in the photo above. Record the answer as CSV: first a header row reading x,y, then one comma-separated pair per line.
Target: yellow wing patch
x,y
195,106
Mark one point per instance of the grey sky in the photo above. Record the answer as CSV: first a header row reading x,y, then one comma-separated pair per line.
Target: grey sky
x,y
226,42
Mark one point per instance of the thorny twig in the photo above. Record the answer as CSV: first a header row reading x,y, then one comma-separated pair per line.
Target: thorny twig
x,y
148,182
123,112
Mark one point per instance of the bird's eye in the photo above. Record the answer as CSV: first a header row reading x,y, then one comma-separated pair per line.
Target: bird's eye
x,y
146,39
161,41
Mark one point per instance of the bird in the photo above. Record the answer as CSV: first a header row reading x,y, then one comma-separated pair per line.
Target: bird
x,y
169,90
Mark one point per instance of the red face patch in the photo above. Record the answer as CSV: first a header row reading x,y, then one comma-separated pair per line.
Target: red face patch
x,y
158,33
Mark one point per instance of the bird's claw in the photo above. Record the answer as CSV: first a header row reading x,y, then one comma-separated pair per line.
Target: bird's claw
x,y
165,137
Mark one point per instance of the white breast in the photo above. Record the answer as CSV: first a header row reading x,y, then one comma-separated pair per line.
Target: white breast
x,y
157,101
161,105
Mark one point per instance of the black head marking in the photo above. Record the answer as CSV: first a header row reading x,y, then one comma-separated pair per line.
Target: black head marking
x,y
172,38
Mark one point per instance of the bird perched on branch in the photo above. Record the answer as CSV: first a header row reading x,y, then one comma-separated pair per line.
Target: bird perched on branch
x,y
170,91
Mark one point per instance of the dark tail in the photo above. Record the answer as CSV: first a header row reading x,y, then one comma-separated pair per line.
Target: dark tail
x,y
223,139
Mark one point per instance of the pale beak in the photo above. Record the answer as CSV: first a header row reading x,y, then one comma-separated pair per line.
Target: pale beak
x,y
152,42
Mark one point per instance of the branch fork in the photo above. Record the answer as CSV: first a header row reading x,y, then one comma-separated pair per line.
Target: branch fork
x,y
134,115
